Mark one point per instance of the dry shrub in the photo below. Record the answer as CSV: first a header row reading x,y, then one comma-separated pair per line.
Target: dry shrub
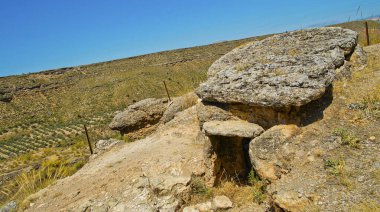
x,y
365,207
239,195
189,100
199,191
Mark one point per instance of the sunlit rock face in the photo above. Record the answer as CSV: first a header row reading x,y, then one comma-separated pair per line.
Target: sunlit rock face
x,y
283,79
290,69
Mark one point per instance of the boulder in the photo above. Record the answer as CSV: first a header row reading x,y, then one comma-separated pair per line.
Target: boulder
x,y
213,112
221,202
190,209
358,59
106,144
291,201
6,97
139,115
344,71
177,105
269,152
204,207
210,157
289,69
10,206
232,128
357,62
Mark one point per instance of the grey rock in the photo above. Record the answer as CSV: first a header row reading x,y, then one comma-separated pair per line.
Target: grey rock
x,y
289,69
139,115
190,209
212,112
357,106
106,144
6,97
221,202
290,201
343,71
209,156
358,59
270,151
168,204
263,207
204,207
232,128
10,206
177,105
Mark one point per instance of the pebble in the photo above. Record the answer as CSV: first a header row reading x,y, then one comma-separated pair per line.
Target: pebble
x,y
360,178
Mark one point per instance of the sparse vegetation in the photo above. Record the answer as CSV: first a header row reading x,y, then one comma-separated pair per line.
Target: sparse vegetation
x,y
258,186
41,168
348,137
240,194
339,170
199,191
366,206
122,138
42,126
376,175
371,104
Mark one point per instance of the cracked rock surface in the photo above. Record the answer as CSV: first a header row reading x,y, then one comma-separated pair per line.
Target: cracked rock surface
x,y
289,69
147,175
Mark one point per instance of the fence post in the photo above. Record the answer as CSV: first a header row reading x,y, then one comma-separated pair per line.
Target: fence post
x,y
366,32
88,139
167,92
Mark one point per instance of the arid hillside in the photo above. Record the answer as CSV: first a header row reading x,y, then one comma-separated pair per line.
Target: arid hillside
x,y
336,157
48,108
42,114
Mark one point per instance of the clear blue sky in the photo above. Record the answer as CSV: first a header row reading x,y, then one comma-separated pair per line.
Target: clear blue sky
x,y
45,34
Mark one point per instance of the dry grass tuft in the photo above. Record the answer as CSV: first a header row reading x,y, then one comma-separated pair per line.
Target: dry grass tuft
x,y
239,195
199,191
339,170
366,206
189,100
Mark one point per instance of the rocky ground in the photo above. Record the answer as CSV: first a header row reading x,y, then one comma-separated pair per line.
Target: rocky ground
x,y
329,162
146,175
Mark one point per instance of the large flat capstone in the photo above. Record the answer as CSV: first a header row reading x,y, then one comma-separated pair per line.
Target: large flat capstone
x,y
232,128
289,69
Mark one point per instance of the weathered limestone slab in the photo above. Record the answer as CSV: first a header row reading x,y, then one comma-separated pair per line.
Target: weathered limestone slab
x,y
268,151
232,128
289,69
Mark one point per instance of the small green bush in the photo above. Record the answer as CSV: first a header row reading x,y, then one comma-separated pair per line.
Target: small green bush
x,y
348,137
338,169
258,187
199,188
